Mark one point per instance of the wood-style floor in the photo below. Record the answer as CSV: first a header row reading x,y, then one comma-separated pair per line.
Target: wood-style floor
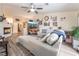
x,y
16,49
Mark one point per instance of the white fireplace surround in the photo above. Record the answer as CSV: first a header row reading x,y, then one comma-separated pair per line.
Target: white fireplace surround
x,y
2,26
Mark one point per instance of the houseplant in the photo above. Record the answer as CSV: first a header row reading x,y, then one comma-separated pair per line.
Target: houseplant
x,y
75,34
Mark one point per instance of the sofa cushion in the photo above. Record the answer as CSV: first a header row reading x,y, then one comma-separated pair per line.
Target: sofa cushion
x,y
52,38
45,37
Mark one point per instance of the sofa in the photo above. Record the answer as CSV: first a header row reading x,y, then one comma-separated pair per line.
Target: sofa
x,y
39,48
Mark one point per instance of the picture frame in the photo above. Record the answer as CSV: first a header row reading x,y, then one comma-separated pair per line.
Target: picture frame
x,y
46,18
54,18
55,24
46,24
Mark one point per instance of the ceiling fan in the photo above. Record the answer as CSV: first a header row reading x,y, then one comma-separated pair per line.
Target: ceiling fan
x,y
32,8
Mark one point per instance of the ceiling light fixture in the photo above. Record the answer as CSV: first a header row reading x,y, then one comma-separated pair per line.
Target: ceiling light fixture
x,y
32,10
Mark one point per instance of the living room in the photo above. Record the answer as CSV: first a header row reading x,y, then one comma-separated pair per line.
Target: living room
x,y
23,22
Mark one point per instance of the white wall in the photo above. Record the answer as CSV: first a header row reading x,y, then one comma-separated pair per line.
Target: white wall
x,y
66,24
15,28
1,28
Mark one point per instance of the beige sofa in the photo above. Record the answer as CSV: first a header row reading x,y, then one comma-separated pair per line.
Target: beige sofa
x,y
39,48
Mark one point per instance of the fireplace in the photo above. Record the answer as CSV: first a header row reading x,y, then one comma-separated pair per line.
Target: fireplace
x,y
7,30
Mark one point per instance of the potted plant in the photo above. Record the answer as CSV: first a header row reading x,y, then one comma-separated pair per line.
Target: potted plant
x,y
75,34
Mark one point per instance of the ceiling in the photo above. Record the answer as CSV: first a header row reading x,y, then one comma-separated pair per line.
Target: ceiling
x,y
54,7
15,8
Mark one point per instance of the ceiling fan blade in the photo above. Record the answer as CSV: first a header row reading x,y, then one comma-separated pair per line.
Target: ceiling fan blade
x,y
31,3
46,3
36,12
24,7
28,11
39,8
